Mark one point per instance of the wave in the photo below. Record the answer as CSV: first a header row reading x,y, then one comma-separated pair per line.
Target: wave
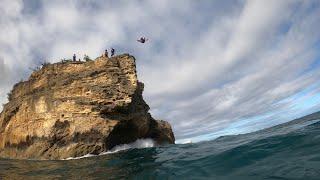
x,y
287,151
138,144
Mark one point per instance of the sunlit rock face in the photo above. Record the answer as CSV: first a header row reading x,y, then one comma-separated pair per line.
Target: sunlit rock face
x,y
71,109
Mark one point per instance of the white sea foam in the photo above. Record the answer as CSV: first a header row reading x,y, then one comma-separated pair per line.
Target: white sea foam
x,y
138,144
184,141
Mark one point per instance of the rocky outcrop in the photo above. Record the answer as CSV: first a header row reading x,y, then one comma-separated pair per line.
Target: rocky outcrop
x,y
70,109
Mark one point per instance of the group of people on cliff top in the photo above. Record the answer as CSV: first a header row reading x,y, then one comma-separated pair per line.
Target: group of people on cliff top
x,y
106,54
86,57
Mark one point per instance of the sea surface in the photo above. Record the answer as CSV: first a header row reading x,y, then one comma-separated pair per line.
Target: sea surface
x,y
287,151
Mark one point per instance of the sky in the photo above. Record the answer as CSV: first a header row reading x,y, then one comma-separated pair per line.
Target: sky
x,y
210,68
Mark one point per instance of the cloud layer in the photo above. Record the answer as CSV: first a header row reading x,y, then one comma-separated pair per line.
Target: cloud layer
x,y
209,67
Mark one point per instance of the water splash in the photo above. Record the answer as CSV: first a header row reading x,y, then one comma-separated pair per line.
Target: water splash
x,y
138,144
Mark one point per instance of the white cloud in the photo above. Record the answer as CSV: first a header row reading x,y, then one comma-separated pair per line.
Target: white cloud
x,y
206,66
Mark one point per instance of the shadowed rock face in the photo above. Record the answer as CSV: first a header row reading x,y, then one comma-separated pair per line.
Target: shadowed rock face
x,y
74,108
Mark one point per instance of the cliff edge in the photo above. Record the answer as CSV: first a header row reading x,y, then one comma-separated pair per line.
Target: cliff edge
x,y
71,109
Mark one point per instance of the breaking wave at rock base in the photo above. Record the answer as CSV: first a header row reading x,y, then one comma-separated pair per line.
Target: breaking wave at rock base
x,y
138,144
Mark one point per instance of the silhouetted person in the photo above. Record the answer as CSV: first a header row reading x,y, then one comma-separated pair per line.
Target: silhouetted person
x,y
142,40
74,57
112,52
106,53
86,58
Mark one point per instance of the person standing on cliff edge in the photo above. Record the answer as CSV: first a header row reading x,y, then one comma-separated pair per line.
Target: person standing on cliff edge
x,y
112,52
106,53
74,57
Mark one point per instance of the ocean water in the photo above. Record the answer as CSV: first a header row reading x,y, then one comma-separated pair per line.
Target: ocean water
x,y
287,151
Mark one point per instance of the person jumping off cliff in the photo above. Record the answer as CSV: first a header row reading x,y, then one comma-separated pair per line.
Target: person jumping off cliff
x,y
74,57
142,40
106,53
112,52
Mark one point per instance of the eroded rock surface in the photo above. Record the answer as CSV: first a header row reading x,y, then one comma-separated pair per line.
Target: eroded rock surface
x,y
74,108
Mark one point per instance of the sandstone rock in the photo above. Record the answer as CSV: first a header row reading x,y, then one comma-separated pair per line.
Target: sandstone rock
x,y
71,109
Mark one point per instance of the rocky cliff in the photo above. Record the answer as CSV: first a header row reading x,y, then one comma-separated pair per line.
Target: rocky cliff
x,y
71,109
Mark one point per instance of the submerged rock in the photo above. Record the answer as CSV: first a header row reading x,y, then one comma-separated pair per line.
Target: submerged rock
x,y
72,109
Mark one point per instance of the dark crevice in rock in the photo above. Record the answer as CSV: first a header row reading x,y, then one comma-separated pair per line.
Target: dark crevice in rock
x,y
7,118
59,133
23,144
125,132
91,136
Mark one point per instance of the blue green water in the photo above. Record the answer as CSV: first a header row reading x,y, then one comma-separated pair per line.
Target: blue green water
x,y
288,151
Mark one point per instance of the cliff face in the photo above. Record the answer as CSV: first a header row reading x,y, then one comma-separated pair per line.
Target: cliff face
x,y
74,108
